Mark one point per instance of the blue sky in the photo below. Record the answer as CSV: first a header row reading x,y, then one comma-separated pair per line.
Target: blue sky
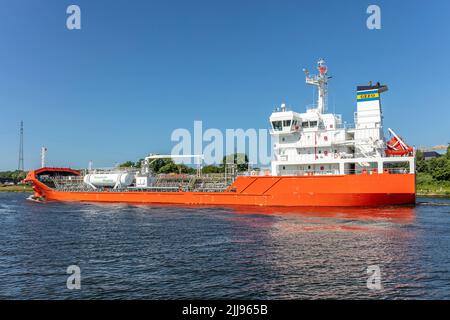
x,y
137,70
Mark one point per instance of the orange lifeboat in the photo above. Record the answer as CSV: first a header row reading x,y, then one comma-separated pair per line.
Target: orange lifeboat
x,y
396,147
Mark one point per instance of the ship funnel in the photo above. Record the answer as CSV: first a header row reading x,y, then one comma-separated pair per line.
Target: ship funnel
x,y
369,105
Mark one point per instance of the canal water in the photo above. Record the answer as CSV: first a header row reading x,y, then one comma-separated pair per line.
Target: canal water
x,y
174,252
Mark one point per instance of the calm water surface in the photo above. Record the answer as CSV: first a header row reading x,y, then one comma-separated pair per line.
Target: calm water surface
x,y
169,252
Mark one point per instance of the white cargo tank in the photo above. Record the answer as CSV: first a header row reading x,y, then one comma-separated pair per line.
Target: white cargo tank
x,y
120,179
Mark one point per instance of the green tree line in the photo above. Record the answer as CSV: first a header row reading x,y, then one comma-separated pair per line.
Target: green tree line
x,y
16,176
433,175
169,166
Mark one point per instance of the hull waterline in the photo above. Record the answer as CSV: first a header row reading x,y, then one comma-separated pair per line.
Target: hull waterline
x,y
285,191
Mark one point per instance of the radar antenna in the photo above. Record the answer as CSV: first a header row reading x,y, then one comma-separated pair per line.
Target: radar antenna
x,y
321,82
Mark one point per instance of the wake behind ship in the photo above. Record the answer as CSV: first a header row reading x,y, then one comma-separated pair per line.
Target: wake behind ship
x,y
318,161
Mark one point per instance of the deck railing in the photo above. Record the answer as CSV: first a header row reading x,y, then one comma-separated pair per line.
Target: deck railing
x,y
336,172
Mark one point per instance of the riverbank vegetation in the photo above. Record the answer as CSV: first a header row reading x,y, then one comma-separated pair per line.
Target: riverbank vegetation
x,y
10,181
12,176
433,175
16,188
169,166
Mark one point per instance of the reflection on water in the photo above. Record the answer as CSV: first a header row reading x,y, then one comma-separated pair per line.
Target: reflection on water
x,y
325,216
159,252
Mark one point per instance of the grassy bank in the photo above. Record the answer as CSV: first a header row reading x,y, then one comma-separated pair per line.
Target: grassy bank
x,y
426,185
18,188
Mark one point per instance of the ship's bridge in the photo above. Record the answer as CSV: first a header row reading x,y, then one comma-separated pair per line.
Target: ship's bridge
x,y
284,121
287,122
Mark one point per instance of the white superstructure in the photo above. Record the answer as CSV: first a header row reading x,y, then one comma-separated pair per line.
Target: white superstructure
x,y
315,142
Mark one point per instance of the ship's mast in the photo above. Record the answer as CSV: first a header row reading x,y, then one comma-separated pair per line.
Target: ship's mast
x,y
43,154
320,81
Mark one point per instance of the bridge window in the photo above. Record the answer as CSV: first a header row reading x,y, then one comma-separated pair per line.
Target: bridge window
x,y
313,124
305,124
286,123
277,125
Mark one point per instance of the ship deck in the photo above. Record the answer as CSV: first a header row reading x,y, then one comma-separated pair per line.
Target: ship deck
x,y
366,189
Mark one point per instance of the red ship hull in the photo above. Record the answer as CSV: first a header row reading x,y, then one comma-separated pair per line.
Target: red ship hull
x,y
289,191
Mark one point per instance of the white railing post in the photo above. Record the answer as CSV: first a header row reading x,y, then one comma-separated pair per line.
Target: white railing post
x,y
380,166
